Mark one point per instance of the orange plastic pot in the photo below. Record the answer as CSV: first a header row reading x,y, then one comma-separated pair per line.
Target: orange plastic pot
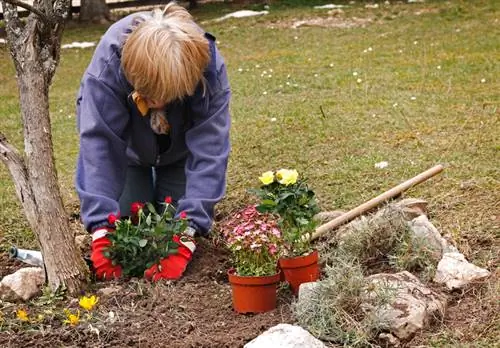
x,y
253,294
301,269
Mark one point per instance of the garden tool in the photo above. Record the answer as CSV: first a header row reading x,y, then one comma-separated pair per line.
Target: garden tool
x,y
372,203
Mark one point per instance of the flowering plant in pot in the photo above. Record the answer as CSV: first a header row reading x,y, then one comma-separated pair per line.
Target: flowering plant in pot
x,y
284,194
254,240
144,238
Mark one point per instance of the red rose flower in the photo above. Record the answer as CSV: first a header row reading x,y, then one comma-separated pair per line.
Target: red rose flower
x,y
183,215
135,207
168,200
112,218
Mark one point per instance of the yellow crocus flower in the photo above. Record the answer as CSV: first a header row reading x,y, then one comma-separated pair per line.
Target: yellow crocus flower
x,y
22,315
73,319
88,303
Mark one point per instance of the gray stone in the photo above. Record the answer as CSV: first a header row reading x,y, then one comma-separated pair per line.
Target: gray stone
x,y
412,207
389,340
410,305
285,336
456,272
23,284
307,291
425,231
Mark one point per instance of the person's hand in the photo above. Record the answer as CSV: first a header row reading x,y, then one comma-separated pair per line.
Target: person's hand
x,y
103,267
173,266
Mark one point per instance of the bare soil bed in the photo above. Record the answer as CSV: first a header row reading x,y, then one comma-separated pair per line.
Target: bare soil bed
x,y
194,312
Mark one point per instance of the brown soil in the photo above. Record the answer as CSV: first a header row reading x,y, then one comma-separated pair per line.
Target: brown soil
x,y
7,265
194,312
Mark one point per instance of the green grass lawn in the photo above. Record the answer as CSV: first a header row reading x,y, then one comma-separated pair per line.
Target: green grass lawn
x,y
416,86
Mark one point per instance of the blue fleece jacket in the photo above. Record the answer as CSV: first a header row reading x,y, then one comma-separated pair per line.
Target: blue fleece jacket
x,y
113,135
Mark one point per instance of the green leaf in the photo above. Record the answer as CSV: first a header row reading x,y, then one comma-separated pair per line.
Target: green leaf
x,y
269,202
143,242
148,220
151,208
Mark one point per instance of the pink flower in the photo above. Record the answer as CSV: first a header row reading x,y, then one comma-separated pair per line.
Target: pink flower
x,y
273,249
183,215
168,200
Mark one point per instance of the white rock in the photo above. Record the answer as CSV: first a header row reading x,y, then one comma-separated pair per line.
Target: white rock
x,y
412,207
329,6
24,283
307,290
242,14
381,165
285,336
411,305
79,45
456,272
425,231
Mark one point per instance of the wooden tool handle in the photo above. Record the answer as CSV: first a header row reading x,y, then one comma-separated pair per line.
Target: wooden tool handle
x,y
372,203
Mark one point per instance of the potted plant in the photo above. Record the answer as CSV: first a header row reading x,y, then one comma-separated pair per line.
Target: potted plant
x,y
284,194
145,237
254,241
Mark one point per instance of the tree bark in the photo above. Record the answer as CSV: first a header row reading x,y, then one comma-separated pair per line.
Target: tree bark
x,y
35,50
93,10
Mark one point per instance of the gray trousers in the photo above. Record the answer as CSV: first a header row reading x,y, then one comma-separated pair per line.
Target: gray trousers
x,y
153,184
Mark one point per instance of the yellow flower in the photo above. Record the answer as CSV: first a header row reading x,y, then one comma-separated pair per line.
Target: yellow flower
x,y
267,178
88,303
287,176
73,319
22,315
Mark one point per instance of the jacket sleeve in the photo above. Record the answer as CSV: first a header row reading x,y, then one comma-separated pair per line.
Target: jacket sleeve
x,y
102,119
209,146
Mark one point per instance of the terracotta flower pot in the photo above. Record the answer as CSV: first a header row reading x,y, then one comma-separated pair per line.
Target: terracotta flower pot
x,y
301,269
253,294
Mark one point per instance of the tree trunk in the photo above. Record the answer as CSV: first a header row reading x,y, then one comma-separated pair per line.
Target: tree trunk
x,y
35,50
94,10
61,257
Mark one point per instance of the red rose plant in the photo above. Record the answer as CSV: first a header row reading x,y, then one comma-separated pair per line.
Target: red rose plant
x,y
150,243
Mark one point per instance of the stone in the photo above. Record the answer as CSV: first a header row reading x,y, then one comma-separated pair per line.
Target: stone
x,y
425,231
307,291
285,336
389,340
456,272
23,284
412,207
410,305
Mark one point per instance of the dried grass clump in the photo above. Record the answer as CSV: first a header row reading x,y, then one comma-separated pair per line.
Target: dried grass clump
x,y
380,241
333,312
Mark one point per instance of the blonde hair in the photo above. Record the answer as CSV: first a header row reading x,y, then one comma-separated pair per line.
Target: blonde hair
x,y
165,55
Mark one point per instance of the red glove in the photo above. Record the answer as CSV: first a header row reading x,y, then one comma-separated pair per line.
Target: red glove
x,y
173,266
103,267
